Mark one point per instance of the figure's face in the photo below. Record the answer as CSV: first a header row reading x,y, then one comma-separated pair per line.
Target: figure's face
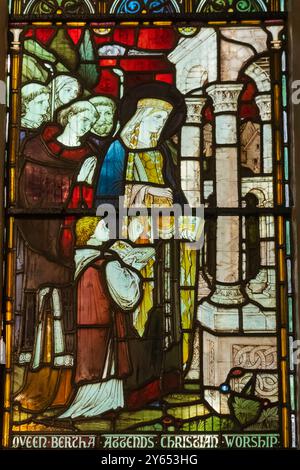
x,y
104,123
39,105
81,123
102,232
155,121
68,92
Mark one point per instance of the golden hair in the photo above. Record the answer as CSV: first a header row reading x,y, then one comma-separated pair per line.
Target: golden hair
x,y
155,103
85,228
131,130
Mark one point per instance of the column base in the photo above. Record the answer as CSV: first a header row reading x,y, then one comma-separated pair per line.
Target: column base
x,y
217,317
227,295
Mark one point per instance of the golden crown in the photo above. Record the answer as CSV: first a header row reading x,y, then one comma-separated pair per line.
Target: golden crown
x,y
154,103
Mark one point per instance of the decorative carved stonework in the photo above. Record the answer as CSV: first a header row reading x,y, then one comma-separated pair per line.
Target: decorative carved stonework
x,y
259,71
227,295
264,104
254,356
266,385
225,96
194,109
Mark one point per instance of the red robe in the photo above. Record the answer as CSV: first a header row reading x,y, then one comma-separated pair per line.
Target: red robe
x,y
48,170
98,324
47,182
47,174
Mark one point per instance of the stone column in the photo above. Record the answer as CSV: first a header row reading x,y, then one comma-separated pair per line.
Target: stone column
x,y
263,102
225,100
190,173
191,145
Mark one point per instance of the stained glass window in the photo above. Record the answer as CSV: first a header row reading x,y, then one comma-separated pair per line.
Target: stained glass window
x,y
149,283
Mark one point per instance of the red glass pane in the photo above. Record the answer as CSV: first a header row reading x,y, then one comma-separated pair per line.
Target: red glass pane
x,y
102,39
141,397
156,38
75,34
248,111
208,114
143,64
152,391
29,33
44,35
125,36
249,92
134,79
75,198
108,84
87,195
107,62
165,77
66,241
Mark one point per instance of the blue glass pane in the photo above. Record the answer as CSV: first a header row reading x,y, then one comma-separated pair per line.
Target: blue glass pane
x,y
151,6
286,163
284,96
292,392
289,276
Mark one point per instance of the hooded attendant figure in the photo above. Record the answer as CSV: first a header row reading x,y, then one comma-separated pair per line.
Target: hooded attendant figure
x,y
51,159
64,89
50,163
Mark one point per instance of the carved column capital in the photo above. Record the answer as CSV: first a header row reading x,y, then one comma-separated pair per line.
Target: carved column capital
x,y
275,30
265,106
15,44
194,105
225,96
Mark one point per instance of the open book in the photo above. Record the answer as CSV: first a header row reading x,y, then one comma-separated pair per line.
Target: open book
x,y
136,256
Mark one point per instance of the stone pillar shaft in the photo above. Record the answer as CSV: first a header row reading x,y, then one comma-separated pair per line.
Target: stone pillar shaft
x,y
191,148
264,104
225,99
